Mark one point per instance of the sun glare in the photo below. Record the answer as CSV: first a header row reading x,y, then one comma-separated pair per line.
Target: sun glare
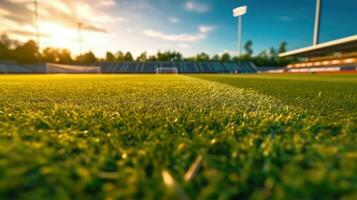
x,y
59,36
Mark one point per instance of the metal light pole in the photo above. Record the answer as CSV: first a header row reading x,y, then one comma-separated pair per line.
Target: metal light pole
x,y
239,12
317,22
37,25
80,37
239,35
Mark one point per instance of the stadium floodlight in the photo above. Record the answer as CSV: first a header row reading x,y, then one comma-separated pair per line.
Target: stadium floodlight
x,y
239,12
317,22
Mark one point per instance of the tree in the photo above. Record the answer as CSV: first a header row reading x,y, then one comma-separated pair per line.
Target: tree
x,y
245,58
284,61
142,57
64,56
225,57
168,56
87,58
177,56
248,48
235,59
282,47
3,51
152,58
8,42
53,55
273,57
27,53
202,57
190,59
215,58
109,57
262,59
4,46
49,55
119,56
273,53
128,57
161,56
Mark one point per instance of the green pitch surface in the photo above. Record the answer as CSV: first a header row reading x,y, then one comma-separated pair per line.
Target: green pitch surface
x,y
178,137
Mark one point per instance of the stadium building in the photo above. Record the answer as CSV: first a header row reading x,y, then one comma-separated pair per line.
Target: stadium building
x,y
334,56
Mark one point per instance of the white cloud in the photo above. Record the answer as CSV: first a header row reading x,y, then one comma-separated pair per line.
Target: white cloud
x,y
183,45
203,30
106,3
65,13
174,20
184,37
206,29
120,19
58,23
196,7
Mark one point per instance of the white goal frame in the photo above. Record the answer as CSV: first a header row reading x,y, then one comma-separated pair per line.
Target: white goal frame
x,y
166,70
53,68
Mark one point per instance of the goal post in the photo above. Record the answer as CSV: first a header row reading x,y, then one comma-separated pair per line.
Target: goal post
x,y
166,70
53,68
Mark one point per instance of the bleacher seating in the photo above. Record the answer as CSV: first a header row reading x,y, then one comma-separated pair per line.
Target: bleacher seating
x,y
217,67
333,63
144,67
149,67
13,68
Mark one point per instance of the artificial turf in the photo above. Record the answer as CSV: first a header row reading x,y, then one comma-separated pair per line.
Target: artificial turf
x,y
137,136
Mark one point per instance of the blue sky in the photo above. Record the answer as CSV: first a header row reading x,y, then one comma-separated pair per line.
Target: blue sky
x,y
188,26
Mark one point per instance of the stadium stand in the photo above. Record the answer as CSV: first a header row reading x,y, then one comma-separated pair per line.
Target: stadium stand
x,y
217,67
182,67
8,67
334,56
131,67
35,68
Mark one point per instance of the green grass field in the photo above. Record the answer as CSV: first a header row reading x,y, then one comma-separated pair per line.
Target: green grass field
x,y
137,136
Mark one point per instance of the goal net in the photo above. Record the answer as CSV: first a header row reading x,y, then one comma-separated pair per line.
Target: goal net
x,y
166,70
52,68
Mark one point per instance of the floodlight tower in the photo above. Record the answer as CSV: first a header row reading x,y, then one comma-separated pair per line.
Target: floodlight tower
x,y
317,22
37,25
80,37
239,12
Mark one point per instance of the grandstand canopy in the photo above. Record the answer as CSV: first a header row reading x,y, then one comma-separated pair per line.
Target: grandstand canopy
x,y
347,44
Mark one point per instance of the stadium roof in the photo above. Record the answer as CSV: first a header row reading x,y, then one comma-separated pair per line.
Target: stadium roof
x,y
343,44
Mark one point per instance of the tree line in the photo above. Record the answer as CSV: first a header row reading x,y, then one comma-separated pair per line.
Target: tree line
x,y
27,53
